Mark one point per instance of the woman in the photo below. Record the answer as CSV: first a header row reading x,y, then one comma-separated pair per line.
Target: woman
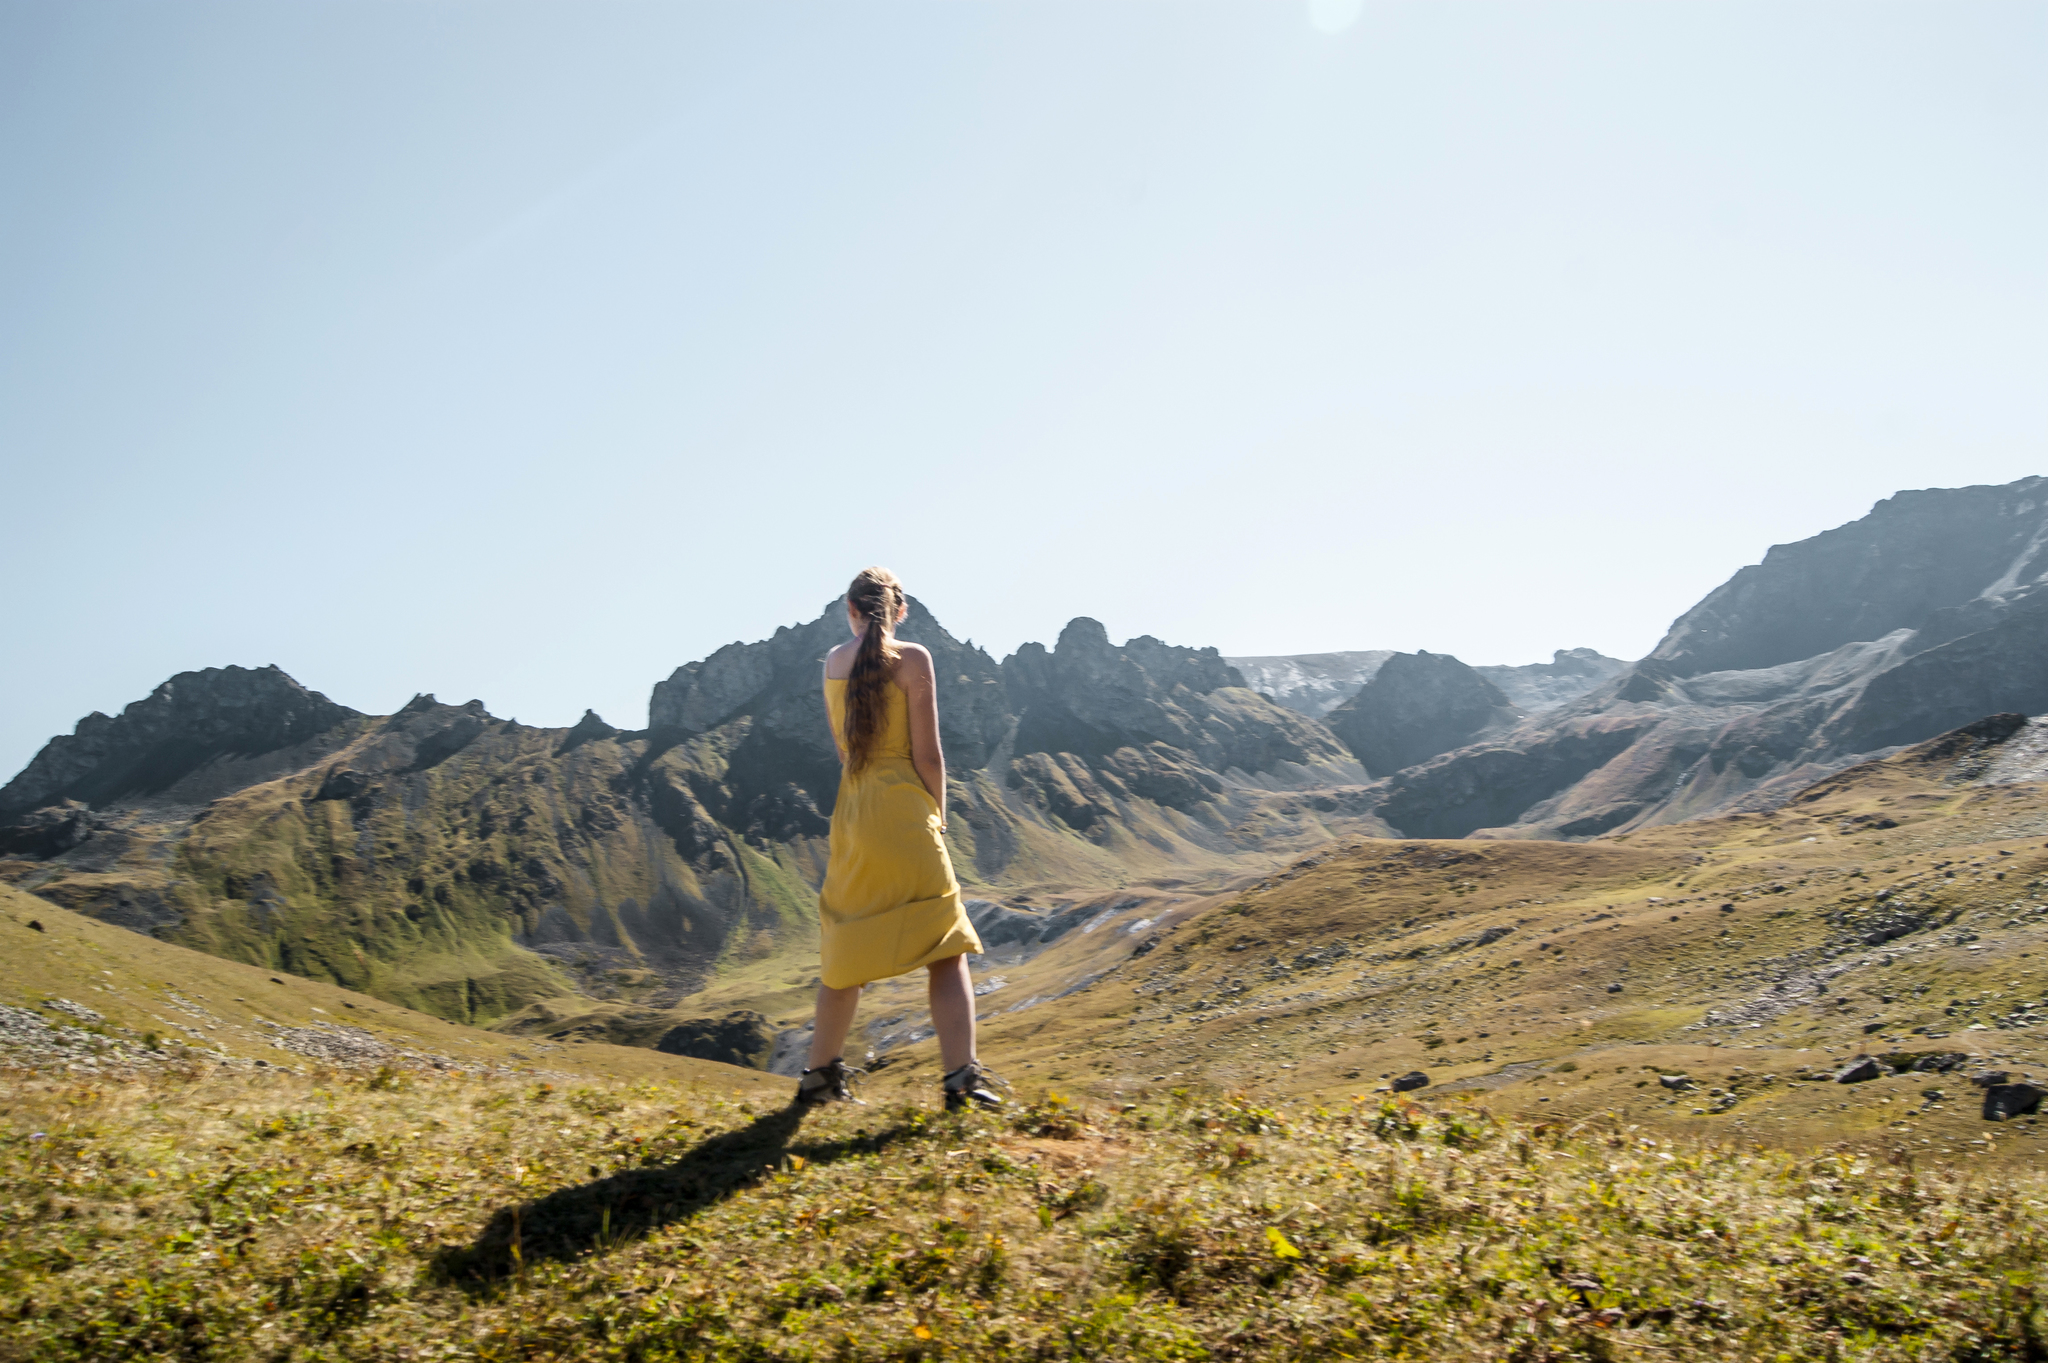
x,y
890,903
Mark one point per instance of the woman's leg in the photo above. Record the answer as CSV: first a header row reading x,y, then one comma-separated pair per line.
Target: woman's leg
x,y
952,1001
835,1019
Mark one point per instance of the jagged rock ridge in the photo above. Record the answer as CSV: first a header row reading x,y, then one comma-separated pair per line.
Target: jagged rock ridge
x,y
221,716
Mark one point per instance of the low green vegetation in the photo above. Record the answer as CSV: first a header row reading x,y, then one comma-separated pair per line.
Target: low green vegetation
x,y
233,1215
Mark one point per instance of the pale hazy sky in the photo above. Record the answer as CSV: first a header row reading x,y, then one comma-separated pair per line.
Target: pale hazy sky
x,y
526,351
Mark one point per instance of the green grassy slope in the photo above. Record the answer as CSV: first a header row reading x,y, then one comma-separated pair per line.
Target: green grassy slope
x,y
162,1005
232,1216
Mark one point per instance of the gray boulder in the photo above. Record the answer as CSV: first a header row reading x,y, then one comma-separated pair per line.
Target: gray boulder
x,y
1414,1079
1862,1069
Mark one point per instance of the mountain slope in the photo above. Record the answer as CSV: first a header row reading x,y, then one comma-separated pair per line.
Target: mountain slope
x,y
1923,615
245,1219
92,1001
1899,908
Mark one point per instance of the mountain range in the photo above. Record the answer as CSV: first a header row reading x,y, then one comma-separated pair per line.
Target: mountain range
x,y
1926,614
587,879
645,884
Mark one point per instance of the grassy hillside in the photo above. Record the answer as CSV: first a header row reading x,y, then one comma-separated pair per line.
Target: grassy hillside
x,y
152,1006
231,1215
1897,909
1204,1161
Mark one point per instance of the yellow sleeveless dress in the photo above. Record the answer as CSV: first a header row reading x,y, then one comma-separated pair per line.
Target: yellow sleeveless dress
x,y
890,903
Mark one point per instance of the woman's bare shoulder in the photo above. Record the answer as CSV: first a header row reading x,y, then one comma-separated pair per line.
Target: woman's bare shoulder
x,y
913,664
839,662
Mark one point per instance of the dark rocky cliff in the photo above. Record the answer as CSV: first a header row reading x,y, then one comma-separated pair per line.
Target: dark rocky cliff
x,y
1099,724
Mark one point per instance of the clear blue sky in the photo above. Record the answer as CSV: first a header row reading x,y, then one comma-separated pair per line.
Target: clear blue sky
x,y
527,351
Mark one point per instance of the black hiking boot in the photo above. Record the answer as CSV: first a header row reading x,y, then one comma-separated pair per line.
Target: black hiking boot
x,y
972,1086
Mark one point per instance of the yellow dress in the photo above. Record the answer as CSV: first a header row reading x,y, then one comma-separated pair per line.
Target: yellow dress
x,y
890,903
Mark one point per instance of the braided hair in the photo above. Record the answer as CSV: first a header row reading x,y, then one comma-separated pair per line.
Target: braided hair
x,y
877,597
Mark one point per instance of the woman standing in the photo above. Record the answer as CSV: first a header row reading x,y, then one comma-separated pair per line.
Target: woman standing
x,y
890,903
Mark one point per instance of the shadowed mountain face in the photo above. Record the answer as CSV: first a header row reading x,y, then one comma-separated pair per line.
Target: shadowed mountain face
x,y
227,718
1924,615
477,868
1416,706
1935,563
1149,721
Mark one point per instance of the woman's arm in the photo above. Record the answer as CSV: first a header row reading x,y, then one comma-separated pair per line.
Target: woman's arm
x,y
914,675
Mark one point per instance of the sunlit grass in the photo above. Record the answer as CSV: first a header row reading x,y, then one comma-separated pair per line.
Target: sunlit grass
x,y
382,1216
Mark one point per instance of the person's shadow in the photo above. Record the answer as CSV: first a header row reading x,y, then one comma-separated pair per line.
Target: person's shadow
x,y
625,1206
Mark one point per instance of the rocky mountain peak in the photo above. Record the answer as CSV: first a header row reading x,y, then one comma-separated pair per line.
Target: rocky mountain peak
x,y
1925,615
1088,696
1416,706
1916,554
194,719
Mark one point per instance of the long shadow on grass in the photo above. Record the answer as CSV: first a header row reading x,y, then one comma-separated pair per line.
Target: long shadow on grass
x,y
611,1211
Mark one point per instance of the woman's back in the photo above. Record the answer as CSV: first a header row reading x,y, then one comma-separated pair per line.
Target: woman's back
x,y
893,741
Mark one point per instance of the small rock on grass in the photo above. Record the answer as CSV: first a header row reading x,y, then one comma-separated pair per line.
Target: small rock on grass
x,y
1862,1068
1414,1079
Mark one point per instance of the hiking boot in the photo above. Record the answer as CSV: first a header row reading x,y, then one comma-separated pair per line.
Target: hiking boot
x,y
826,1084
972,1086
